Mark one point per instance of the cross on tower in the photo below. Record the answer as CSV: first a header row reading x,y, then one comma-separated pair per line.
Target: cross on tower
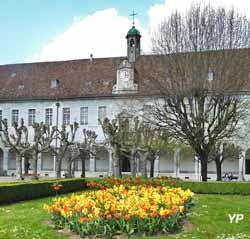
x,y
133,15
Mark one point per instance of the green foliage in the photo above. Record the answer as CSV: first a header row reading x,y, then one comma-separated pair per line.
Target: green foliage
x,y
15,192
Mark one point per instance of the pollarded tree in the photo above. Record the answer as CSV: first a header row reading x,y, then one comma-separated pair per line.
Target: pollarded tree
x,y
112,134
43,138
87,147
203,66
16,141
66,139
82,151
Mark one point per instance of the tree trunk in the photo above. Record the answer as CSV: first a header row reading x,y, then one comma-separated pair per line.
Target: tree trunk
x,y
26,165
35,176
73,168
144,157
58,167
116,163
218,168
133,164
69,168
19,173
83,168
203,156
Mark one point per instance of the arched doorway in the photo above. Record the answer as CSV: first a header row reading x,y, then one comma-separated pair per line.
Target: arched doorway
x,y
1,161
247,162
125,162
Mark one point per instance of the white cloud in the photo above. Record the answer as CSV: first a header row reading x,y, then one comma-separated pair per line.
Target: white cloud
x,y
101,34
160,11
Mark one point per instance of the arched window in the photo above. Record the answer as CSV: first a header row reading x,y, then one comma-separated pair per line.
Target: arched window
x,y
132,43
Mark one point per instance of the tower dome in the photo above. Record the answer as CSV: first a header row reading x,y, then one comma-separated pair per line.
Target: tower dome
x,y
133,32
133,44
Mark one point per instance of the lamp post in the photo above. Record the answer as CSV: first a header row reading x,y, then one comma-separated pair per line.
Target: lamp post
x,y
56,149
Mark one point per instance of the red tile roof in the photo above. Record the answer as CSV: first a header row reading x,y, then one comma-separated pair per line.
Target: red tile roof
x,y
78,78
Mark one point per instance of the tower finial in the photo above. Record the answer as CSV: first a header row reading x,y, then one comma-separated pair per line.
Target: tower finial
x,y
133,15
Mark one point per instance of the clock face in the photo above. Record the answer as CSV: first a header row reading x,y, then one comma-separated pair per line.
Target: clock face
x,y
125,77
124,74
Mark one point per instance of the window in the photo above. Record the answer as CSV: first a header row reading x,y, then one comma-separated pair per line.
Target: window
x,y
14,116
84,115
55,83
48,116
66,116
101,113
132,43
31,117
210,76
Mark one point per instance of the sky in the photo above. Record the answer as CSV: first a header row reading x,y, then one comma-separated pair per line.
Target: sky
x,y
53,30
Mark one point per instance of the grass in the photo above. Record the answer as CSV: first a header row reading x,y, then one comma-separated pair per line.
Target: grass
x,y
27,220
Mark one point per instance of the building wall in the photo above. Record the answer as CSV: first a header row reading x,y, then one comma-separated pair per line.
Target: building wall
x,y
113,107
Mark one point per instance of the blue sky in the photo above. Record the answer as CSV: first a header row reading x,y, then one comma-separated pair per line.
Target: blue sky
x,y
27,25
48,30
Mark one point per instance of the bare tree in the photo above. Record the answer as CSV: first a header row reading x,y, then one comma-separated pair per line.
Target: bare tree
x,y
67,138
223,151
43,137
113,136
202,68
16,141
87,148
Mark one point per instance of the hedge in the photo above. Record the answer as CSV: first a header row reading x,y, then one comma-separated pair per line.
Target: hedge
x,y
15,192
214,187
240,188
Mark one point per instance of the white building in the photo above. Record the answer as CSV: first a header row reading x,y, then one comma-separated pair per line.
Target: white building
x,y
88,90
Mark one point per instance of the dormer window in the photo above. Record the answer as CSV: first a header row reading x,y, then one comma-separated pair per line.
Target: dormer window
x,y
55,83
20,87
210,76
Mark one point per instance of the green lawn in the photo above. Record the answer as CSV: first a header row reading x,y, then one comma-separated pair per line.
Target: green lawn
x,y
209,217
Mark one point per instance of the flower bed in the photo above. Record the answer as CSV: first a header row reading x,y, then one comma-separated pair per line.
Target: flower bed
x,y
141,210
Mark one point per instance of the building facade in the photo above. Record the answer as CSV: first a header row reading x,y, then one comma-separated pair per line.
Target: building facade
x,y
87,91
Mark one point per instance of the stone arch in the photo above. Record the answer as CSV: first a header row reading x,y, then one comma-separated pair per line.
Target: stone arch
x,y
247,162
102,159
12,160
1,160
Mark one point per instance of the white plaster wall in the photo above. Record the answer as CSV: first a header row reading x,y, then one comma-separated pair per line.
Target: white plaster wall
x,y
47,162
187,165
113,107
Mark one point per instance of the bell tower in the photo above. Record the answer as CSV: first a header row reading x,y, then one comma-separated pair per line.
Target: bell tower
x,y
133,43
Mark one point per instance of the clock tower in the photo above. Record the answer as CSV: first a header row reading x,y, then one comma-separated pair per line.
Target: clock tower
x,y
125,79
133,43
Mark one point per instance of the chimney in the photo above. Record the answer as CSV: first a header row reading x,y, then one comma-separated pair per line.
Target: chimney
x,y
91,57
